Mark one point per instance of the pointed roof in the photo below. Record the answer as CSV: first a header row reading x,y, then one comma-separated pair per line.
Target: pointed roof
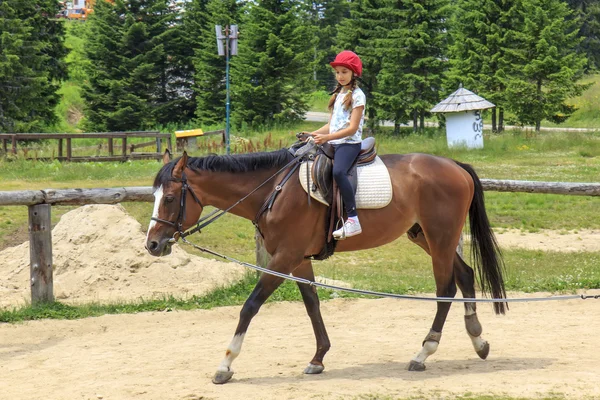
x,y
462,100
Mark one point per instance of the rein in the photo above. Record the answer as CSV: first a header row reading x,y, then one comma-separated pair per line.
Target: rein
x,y
216,214
389,295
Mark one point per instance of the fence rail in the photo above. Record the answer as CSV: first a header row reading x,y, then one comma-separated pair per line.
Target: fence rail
x,y
15,138
40,202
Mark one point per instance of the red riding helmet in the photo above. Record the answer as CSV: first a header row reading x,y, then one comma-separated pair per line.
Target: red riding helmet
x,y
350,60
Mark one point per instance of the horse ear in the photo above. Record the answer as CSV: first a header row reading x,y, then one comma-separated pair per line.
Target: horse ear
x,y
180,166
166,157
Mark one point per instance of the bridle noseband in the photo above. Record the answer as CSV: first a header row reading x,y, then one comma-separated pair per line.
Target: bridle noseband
x,y
185,187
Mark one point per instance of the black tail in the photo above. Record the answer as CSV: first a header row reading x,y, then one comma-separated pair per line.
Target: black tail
x,y
484,248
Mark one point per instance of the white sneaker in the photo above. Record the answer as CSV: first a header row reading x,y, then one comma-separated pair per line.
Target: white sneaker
x,y
351,228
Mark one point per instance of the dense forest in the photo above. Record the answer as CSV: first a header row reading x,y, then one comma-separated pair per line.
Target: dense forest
x,y
143,63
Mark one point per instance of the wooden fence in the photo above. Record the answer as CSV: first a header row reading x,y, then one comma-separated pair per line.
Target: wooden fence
x,y
65,142
39,203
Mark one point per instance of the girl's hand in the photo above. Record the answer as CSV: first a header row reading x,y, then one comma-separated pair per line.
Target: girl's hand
x,y
321,138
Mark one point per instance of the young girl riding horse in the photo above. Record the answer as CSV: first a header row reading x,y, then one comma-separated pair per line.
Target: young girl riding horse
x,y
344,132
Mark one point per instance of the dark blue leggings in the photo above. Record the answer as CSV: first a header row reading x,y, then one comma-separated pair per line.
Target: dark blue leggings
x,y
344,157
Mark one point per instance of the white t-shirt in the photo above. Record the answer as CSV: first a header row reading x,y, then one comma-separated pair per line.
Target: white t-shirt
x,y
340,117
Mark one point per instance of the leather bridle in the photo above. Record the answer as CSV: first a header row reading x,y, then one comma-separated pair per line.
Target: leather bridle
x,y
299,156
185,187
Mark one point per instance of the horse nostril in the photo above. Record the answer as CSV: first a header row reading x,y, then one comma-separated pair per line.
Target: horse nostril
x,y
153,245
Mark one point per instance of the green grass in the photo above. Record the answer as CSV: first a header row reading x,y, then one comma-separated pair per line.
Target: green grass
x,y
319,101
225,296
399,267
587,114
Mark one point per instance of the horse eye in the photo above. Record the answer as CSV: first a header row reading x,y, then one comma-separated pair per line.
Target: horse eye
x,y
169,199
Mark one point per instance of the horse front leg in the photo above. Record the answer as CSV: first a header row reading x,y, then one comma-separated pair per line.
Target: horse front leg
x,y
311,302
263,289
266,285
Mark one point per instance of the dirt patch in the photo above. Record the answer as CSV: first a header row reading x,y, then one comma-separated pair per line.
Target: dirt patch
x,y
549,240
537,350
98,254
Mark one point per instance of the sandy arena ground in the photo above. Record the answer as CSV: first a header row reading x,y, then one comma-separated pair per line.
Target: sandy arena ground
x,y
538,349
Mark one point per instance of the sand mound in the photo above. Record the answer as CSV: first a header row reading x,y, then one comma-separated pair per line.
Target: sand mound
x,y
99,255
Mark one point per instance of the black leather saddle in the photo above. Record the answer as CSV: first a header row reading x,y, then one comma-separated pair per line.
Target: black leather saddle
x,y
322,168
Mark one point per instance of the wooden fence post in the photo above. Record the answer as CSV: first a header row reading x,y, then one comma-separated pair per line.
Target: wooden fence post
x,y
69,149
459,248
40,253
124,148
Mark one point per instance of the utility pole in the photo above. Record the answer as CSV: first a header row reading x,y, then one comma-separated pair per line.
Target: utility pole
x,y
227,46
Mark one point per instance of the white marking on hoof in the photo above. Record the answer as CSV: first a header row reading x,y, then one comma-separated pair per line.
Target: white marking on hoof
x,y
482,347
222,377
312,369
416,366
428,349
233,350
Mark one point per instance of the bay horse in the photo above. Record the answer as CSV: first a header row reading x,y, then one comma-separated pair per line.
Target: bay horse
x,y
432,197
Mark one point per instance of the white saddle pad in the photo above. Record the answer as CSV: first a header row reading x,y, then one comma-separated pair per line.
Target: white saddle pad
x,y
374,185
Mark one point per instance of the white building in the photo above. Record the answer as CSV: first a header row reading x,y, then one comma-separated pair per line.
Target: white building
x,y
464,124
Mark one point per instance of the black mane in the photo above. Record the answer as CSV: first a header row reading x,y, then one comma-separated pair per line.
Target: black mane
x,y
232,163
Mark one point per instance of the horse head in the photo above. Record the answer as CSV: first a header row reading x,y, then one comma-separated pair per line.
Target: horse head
x,y
176,206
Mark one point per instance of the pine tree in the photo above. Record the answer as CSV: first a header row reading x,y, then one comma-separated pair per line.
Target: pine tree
x,y
324,17
588,13
270,78
412,56
31,64
173,98
209,78
359,33
137,78
548,62
483,37
107,72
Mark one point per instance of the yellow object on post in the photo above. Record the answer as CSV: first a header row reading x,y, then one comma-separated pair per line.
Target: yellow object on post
x,y
189,133
187,139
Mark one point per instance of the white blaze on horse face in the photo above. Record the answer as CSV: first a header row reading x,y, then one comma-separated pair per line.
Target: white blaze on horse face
x,y
158,195
232,352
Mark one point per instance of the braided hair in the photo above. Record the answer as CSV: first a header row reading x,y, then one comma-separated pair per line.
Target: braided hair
x,y
347,99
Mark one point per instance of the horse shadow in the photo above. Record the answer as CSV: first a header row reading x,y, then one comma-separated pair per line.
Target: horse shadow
x,y
398,370
10,350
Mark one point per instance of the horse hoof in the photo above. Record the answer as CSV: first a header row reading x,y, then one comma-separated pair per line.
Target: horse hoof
x,y
313,369
222,377
416,366
484,351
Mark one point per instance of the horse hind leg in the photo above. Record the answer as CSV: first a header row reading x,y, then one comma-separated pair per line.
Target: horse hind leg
x,y
465,278
441,257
